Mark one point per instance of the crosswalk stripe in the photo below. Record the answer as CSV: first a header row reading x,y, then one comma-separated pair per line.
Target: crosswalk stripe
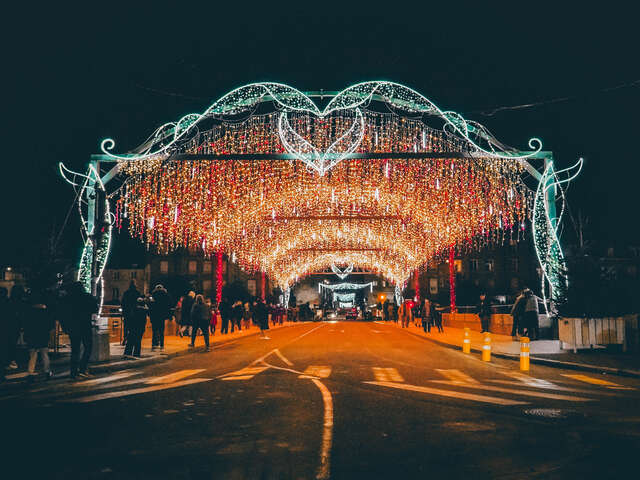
x,y
321,371
243,374
527,380
456,376
110,378
173,377
450,393
556,388
387,374
137,391
526,393
597,381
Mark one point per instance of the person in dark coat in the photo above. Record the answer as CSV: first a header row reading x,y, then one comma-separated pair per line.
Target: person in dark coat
x,y
236,315
129,304
531,315
517,313
79,306
436,317
225,315
483,310
185,320
137,324
159,311
261,316
38,326
17,311
4,331
200,317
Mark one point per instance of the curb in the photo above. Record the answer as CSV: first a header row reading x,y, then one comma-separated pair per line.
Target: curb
x,y
543,361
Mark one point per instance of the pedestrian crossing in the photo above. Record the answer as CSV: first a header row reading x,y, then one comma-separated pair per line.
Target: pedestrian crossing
x,y
505,387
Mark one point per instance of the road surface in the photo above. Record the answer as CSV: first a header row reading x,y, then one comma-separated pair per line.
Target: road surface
x,y
343,400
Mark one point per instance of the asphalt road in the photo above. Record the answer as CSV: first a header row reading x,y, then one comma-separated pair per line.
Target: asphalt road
x,y
325,400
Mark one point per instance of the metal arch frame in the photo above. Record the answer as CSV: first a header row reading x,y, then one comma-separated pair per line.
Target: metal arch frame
x,y
359,94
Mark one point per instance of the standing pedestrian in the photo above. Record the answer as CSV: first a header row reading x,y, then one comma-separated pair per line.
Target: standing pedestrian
x,y
261,315
137,325
531,315
517,313
185,317
77,322
214,320
426,316
225,315
38,326
129,303
483,310
159,312
246,315
200,318
436,316
4,331
236,315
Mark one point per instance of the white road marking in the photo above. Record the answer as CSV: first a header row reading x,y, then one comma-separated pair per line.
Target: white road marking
x,y
243,374
320,371
456,376
324,469
110,378
172,377
137,391
556,388
526,393
450,393
283,358
294,340
387,374
597,381
527,380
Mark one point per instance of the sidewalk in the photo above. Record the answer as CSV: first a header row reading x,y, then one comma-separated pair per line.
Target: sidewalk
x,y
544,352
173,347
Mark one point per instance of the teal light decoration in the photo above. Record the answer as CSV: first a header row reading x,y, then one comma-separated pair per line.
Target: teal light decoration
x,y
353,99
546,224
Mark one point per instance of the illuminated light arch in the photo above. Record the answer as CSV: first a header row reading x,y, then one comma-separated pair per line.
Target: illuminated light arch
x,y
238,180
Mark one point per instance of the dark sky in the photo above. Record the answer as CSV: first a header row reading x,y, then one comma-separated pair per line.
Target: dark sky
x,y
77,75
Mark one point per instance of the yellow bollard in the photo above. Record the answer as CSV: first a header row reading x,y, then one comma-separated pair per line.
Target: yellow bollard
x,y
486,348
524,354
466,342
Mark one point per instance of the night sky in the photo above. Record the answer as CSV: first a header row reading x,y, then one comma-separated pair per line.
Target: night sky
x,y
76,76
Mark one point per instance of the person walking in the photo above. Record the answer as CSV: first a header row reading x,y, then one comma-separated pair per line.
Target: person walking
x,y
129,304
159,311
38,326
214,320
246,315
531,315
200,318
137,325
225,315
483,310
426,316
236,315
185,320
4,331
517,313
261,315
16,314
436,316
78,308
405,314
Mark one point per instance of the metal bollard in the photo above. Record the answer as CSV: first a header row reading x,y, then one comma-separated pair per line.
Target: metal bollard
x,y
486,348
466,342
524,354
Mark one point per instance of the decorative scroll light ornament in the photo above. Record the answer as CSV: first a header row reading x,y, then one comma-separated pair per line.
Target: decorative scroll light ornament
x,y
352,99
345,286
342,274
546,226
344,297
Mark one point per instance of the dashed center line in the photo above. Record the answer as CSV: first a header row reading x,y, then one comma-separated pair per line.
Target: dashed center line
x,y
387,374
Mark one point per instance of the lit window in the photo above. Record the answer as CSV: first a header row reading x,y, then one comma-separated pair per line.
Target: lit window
x,y
193,267
474,265
206,267
457,265
206,285
252,287
164,266
490,264
433,286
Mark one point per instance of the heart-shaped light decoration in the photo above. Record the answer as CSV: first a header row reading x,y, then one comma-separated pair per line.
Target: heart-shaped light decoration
x,y
342,274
